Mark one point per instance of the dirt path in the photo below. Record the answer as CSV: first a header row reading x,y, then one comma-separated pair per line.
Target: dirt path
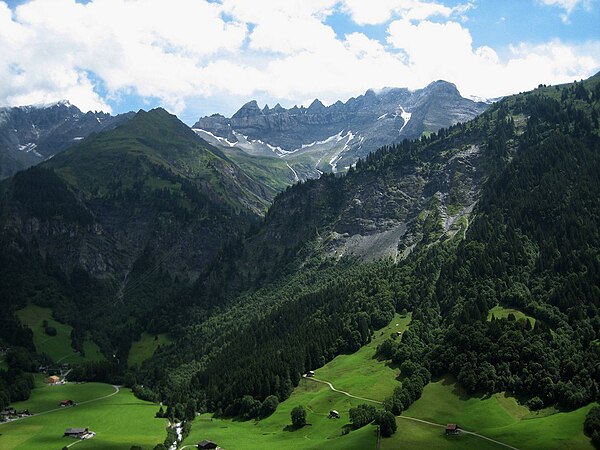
x,y
414,419
117,389
343,392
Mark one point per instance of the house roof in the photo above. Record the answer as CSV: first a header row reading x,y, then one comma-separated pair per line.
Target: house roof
x,y
75,430
205,442
451,426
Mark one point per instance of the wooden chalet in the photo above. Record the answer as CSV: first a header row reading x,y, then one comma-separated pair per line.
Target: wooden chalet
x,y
206,444
310,373
67,403
452,429
333,414
76,432
52,379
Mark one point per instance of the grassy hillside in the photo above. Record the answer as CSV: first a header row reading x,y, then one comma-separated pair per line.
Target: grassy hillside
x,y
137,151
56,347
271,172
500,312
144,348
361,372
358,373
275,432
119,420
498,416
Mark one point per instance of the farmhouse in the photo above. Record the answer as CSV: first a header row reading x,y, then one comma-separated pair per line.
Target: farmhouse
x,y
310,373
7,414
52,379
452,428
205,444
67,403
76,432
333,414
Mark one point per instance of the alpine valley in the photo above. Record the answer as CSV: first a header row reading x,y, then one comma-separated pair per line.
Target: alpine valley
x,y
408,269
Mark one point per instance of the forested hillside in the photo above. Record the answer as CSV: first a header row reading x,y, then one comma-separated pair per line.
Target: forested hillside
x,y
531,243
107,232
501,210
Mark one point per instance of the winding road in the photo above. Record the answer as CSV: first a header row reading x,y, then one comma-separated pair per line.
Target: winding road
x,y
414,419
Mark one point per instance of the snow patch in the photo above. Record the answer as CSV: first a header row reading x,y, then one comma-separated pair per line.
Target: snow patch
x,y
296,177
338,155
405,116
29,147
219,139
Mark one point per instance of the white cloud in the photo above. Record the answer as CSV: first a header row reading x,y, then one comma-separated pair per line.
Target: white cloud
x,y
187,52
567,5
376,12
150,47
445,51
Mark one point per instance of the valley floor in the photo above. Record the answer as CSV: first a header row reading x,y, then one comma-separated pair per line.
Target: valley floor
x,y
498,417
118,418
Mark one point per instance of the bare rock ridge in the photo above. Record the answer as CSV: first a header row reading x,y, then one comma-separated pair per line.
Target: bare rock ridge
x,y
331,138
32,134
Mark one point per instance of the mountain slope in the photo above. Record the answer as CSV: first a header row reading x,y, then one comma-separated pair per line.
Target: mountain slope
x,y
519,247
331,139
32,134
117,224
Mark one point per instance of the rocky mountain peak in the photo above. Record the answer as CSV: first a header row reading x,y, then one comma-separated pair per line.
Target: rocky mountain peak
x,y
316,106
330,138
249,109
441,86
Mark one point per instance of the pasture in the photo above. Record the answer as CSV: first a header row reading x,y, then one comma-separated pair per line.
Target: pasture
x,y
118,418
56,347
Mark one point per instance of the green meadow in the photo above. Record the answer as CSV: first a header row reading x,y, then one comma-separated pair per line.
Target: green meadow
x,y
119,419
500,312
56,347
144,348
498,417
361,373
275,432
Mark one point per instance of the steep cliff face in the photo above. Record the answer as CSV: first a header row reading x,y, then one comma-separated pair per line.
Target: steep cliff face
x,y
390,203
330,139
32,134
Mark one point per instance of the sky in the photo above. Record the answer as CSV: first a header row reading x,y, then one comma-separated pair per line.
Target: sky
x,y
198,57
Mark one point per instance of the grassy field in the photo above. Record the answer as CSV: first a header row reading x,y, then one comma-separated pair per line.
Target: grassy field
x,y
274,432
144,348
500,312
56,347
444,401
415,435
360,373
119,420
499,417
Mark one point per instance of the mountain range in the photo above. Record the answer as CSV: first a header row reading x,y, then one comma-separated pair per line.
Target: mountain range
x,y
332,138
148,227
32,134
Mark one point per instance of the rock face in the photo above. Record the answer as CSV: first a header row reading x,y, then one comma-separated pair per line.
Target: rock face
x,y
331,138
32,134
